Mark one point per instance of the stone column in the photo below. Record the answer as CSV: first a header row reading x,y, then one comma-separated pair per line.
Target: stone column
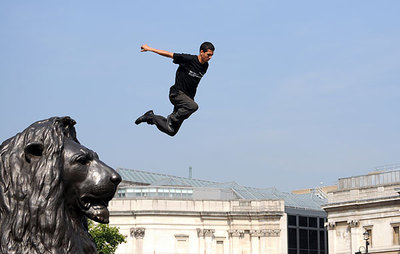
x,y
353,224
200,235
234,236
273,241
255,241
263,241
138,233
331,226
206,240
208,237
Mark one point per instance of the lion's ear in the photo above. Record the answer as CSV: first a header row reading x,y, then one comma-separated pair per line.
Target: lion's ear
x,y
33,151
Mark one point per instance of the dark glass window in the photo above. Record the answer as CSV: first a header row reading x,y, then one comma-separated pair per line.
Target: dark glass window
x,y
313,239
303,233
312,222
306,234
321,223
321,240
292,220
303,221
292,238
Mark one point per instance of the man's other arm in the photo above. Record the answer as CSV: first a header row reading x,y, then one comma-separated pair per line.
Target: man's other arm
x,y
161,52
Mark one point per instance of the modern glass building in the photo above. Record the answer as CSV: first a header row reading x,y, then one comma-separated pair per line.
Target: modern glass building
x,y
307,234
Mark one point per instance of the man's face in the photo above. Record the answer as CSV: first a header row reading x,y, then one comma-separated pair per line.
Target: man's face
x,y
206,56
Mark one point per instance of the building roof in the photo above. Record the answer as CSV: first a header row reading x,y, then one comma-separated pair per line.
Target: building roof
x,y
139,176
303,201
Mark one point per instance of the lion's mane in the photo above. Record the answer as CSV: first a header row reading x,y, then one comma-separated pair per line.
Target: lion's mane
x,y
34,217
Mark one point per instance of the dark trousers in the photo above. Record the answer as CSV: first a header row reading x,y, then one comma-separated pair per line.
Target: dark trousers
x,y
184,106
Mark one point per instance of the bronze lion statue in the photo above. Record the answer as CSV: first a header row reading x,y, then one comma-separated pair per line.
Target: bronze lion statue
x,y
49,185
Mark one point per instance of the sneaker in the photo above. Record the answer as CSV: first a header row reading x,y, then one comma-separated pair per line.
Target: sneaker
x,y
144,118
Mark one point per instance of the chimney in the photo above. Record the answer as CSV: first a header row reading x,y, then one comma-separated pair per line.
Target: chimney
x,y
190,172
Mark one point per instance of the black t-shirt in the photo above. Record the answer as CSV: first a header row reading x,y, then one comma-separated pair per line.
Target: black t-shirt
x,y
189,73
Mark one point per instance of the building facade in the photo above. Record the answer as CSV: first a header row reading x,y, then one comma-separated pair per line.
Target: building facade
x,y
365,204
167,214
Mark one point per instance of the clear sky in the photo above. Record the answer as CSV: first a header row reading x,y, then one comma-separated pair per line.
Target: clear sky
x,y
297,93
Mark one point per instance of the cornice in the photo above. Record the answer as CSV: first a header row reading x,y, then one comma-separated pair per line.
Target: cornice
x,y
358,203
214,215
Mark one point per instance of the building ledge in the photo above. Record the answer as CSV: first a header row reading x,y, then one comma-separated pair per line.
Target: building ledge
x,y
361,202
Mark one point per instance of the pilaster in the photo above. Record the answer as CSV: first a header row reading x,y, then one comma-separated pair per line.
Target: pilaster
x,y
138,233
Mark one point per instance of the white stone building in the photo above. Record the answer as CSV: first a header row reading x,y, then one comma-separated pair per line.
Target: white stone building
x,y
368,203
167,214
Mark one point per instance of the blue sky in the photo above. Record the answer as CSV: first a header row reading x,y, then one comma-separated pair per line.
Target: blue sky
x,y
297,93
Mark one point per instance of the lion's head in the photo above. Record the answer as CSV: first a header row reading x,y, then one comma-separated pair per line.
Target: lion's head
x,y
49,185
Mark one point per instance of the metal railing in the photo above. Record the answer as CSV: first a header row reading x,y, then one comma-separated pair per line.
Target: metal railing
x,y
388,167
374,179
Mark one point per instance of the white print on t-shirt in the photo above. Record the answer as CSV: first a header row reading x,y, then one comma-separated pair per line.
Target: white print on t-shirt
x,y
194,74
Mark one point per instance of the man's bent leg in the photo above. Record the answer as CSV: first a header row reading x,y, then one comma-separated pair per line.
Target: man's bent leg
x,y
162,124
184,106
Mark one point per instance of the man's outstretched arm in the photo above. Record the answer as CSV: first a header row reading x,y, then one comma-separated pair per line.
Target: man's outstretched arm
x,y
145,48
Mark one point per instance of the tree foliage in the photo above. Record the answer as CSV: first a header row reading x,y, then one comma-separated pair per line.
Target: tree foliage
x,y
106,237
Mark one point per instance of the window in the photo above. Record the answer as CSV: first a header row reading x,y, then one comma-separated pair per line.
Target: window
x,y
138,192
306,235
292,238
368,229
303,234
154,191
322,237
321,223
370,236
312,222
220,247
244,203
292,220
396,235
121,193
303,221
313,240
181,244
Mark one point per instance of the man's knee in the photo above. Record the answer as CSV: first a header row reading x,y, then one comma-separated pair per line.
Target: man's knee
x,y
193,107
172,130
172,133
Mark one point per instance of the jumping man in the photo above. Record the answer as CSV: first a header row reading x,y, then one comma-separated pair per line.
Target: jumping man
x,y
191,69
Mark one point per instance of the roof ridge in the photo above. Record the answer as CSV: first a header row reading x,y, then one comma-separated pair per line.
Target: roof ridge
x,y
169,176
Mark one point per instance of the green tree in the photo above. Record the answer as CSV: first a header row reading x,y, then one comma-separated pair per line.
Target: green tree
x,y
106,237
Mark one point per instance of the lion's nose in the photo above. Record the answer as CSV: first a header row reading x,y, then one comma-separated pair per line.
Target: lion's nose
x,y
115,178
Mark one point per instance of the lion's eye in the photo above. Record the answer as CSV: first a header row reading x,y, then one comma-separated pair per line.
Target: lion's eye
x,y
83,159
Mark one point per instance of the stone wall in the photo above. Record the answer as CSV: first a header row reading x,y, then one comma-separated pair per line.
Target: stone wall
x,y
353,211
200,226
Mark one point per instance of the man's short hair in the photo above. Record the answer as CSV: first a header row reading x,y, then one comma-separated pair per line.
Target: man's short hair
x,y
205,46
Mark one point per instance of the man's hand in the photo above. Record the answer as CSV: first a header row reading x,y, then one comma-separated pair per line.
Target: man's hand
x,y
145,48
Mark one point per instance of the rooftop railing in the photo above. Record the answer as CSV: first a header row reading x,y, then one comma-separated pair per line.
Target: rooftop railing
x,y
371,180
